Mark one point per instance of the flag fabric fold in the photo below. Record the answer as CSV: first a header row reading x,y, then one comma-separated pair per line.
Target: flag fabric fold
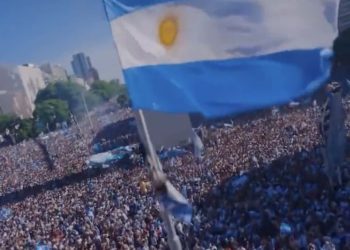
x,y
198,146
176,204
222,57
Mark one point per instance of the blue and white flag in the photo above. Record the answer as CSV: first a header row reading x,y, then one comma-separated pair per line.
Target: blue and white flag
x,y
176,204
219,57
198,146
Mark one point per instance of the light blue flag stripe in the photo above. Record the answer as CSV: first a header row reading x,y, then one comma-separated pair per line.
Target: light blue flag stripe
x,y
181,211
216,88
117,8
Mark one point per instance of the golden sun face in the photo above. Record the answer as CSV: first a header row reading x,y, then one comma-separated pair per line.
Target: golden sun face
x,y
168,31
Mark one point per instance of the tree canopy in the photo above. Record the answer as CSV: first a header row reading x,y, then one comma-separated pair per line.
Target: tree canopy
x,y
6,121
105,90
123,96
20,129
69,92
26,129
50,112
73,94
56,101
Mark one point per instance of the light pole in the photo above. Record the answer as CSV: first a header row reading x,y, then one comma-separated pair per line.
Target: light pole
x,y
87,111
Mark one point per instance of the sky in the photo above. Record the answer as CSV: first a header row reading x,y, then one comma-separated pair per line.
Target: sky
x,y
39,31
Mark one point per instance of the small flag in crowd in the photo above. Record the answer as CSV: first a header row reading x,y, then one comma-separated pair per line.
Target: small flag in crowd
x,y
224,56
5,213
176,204
170,199
198,146
42,246
285,228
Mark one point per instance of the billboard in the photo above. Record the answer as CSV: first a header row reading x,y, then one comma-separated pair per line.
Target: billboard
x,y
165,129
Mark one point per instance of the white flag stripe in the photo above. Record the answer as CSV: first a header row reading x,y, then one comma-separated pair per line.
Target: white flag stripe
x,y
301,25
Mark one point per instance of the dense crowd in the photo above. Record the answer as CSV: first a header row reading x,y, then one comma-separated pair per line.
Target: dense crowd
x,y
28,163
259,186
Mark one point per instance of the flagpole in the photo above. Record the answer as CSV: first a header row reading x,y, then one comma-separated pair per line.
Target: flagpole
x,y
76,122
87,110
173,240
148,139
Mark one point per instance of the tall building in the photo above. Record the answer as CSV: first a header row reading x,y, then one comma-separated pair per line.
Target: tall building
x,y
82,68
81,65
344,15
53,73
32,80
93,76
13,98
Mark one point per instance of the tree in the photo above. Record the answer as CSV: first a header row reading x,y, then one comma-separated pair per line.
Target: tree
x,y
49,92
105,90
26,129
123,101
50,112
73,95
6,121
92,100
123,96
69,92
18,129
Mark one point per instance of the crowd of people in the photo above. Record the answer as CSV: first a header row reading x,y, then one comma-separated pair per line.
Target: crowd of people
x,y
259,186
28,163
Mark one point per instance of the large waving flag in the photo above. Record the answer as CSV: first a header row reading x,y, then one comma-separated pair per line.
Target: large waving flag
x,y
219,57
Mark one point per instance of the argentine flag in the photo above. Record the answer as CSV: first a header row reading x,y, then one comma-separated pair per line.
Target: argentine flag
x,y
221,57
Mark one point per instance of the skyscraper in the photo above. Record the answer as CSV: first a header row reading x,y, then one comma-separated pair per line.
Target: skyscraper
x,y
344,15
82,68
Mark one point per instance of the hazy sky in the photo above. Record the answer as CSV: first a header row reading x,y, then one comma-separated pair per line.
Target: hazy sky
x,y
38,31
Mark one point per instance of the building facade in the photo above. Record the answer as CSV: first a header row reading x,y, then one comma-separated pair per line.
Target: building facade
x,y
32,80
53,73
13,98
82,68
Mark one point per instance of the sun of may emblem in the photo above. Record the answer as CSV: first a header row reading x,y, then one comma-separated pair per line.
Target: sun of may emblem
x,y
168,31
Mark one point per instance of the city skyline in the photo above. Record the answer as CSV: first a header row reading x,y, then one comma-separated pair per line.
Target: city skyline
x,y
83,68
50,31
20,84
